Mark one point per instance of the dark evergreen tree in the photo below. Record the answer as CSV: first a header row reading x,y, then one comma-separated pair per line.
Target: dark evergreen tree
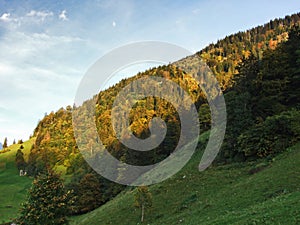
x,y
260,106
5,143
90,195
20,161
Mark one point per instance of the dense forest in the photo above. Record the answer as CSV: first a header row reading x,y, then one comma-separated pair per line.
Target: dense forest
x,y
258,71
224,56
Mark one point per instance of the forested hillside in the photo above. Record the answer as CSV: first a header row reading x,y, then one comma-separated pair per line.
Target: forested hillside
x,y
257,69
224,56
263,124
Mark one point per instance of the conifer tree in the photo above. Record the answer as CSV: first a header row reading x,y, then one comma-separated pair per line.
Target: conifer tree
x,y
90,195
20,161
5,143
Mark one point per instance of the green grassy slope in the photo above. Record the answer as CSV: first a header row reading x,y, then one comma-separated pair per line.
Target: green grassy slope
x,y
227,194
13,188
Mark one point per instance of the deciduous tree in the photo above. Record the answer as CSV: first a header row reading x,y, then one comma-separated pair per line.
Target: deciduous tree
x,y
47,202
143,200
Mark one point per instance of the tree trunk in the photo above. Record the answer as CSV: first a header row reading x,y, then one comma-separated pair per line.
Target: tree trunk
x,y
143,212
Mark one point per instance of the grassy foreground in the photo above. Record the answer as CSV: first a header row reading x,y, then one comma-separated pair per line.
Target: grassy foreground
x,y
13,188
263,192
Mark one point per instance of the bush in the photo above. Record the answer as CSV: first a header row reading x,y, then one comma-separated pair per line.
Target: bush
x,y
272,136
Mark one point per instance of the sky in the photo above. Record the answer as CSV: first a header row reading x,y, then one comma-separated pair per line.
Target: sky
x,y
47,46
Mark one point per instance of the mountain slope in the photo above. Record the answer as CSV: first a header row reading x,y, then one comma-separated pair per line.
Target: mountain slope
x,y
55,144
55,131
250,192
230,194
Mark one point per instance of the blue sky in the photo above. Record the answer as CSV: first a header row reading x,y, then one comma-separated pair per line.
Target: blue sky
x,y
47,46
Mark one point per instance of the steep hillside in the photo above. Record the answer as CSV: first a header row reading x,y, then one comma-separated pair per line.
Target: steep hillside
x,y
261,192
55,131
264,80
13,188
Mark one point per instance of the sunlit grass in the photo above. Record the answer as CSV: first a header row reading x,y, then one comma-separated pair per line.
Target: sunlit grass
x,y
13,188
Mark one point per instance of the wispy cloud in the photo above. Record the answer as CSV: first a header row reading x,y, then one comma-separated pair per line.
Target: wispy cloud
x,y
14,20
42,15
37,75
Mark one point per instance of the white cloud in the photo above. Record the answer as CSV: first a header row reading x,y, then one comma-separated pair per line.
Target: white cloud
x,y
5,17
63,15
42,15
114,24
14,22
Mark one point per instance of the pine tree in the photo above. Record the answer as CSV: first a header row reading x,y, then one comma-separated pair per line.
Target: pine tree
x,y
20,161
5,143
47,202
